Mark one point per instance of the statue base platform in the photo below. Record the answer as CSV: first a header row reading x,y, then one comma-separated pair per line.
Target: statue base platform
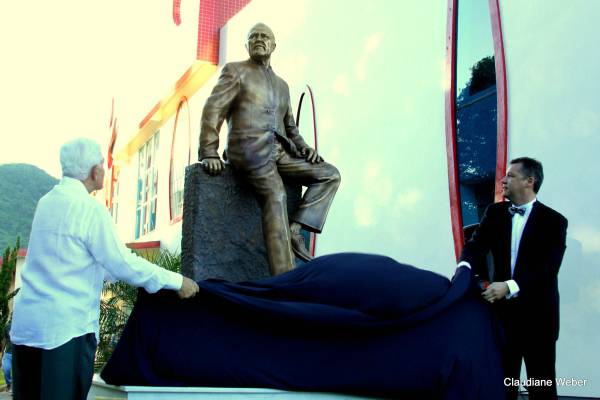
x,y
222,234
103,391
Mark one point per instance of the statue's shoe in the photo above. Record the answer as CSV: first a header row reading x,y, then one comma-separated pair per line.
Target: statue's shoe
x,y
299,247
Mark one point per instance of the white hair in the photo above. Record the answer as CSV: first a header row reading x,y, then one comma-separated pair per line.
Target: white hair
x,y
78,156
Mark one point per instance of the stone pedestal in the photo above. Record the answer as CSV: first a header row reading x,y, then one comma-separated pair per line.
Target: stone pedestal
x,y
103,391
222,232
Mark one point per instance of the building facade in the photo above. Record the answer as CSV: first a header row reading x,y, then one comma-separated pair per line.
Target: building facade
x,y
397,108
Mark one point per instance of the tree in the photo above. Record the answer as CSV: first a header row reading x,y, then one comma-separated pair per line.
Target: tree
x,y
483,75
7,273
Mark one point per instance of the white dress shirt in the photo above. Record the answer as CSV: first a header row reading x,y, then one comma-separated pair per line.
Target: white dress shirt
x,y
72,246
518,225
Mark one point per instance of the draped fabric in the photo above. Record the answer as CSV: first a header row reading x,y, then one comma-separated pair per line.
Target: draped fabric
x,y
350,323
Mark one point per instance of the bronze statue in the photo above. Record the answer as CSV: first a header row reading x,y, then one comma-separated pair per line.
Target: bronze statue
x,y
264,146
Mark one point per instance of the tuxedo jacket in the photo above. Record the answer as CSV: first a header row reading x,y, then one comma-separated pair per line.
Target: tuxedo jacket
x,y
256,104
535,311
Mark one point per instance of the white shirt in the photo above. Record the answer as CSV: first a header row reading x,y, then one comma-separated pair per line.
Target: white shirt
x,y
72,246
518,225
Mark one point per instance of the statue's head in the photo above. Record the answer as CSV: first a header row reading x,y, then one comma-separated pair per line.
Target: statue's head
x,y
260,42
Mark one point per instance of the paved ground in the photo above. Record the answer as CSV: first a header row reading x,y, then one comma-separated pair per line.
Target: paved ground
x,y
3,394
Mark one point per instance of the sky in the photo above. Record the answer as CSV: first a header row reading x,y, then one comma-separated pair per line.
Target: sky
x,y
474,38
64,61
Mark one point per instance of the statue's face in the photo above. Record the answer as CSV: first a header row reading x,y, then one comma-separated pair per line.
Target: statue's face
x,y
260,43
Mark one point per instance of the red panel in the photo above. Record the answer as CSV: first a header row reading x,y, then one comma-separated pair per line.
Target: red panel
x,y
20,254
501,89
150,114
177,12
214,14
455,209
502,107
144,245
180,82
109,158
111,144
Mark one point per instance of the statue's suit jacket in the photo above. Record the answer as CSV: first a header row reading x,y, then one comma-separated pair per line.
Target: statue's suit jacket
x,y
534,313
256,104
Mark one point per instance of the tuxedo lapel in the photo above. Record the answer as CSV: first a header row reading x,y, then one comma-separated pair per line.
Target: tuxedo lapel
x,y
506,225
502,271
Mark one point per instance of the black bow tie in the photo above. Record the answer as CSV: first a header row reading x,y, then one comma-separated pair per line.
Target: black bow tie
x,y
512,210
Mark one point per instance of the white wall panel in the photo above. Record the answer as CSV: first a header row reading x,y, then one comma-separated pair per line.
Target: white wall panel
x,y
553,109
376,69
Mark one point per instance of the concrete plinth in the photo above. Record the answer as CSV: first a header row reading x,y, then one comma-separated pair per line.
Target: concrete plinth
x,y
102,391
222,232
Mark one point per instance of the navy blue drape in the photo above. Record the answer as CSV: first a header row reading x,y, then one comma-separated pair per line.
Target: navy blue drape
x,y
352,323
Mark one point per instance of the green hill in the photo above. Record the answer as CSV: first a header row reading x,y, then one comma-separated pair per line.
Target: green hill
x,y
21,186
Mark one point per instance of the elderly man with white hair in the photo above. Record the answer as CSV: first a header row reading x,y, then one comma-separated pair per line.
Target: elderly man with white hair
x,y
73,246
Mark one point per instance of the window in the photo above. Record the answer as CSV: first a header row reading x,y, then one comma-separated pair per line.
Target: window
x,y
147,187
180,158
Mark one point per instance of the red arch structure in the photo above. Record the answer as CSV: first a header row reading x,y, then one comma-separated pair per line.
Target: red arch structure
x,y
450,124
183,106
313,237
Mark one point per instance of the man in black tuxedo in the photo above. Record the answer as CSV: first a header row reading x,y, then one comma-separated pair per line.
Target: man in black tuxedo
x,y
527,242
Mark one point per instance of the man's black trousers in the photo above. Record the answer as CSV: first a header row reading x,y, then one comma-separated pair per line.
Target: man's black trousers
x,y
63,373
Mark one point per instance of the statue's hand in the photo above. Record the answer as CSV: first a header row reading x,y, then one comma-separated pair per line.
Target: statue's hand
x,y
213,166
311,155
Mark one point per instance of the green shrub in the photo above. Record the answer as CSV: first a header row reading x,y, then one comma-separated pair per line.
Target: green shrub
x,y
7,273
118,299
